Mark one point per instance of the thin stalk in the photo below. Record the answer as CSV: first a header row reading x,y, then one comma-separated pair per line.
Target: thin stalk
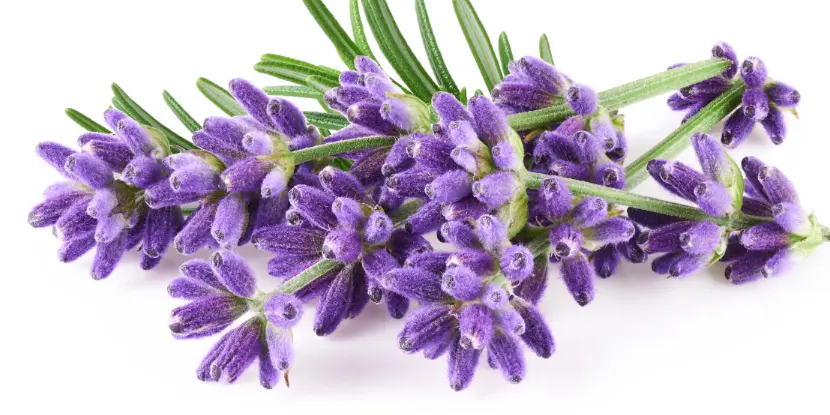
x,y
340,147
678,140
622,197
627,94
322,267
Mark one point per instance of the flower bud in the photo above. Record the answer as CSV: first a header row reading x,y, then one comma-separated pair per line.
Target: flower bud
x,y
713,198
755,104
701,238
723,50
754,72
461,283
516,263
283,310
737,128
334,304
416,284
476,326
342,245
458,233
582,99
234,273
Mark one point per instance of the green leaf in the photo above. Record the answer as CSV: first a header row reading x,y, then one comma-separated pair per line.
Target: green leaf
x,y
220,97
85,122
297,91
544,49
736,187
320,84
678,140
121,106
401,214
436,60
293,70
514,214
463,96
147,119
479,42
397,51
358,33
341,147
341,163
505,52
346,48
326,120
181,114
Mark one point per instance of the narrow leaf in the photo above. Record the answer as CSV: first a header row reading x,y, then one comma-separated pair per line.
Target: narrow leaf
x,y
505,52
181,114
297,91
479,42
320,84
85,122
397,51
678,140
326,120
147,119
358,32
121,106
293,70
341,163
220,97
436,60
544,49
346,48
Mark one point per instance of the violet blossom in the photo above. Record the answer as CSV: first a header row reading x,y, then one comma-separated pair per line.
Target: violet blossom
x,y
101,203
240,173
468,304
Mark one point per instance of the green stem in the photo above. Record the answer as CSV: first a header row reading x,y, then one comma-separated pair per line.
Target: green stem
x,y
622,197
340,147
825,233
627,94
322,267
678,140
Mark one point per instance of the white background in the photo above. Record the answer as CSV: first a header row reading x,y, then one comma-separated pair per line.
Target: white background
x,y
646,344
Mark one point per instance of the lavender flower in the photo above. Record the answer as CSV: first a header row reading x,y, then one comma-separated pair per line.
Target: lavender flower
x,y
770,248
764,100
220,292
687,246
338,223
579,232
100,205
240,174
468,305
374,105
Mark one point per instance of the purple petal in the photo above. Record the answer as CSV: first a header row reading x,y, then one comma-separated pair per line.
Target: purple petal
x,y
461,283
579,278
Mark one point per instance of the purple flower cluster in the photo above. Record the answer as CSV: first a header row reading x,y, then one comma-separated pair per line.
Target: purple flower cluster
x,y
374,105
581,231
240,172
220,292
101,203
785,229
336,221
764,99
468,304
769,248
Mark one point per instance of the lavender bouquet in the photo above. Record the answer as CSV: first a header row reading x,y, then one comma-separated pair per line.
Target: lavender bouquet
x,y
533,177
